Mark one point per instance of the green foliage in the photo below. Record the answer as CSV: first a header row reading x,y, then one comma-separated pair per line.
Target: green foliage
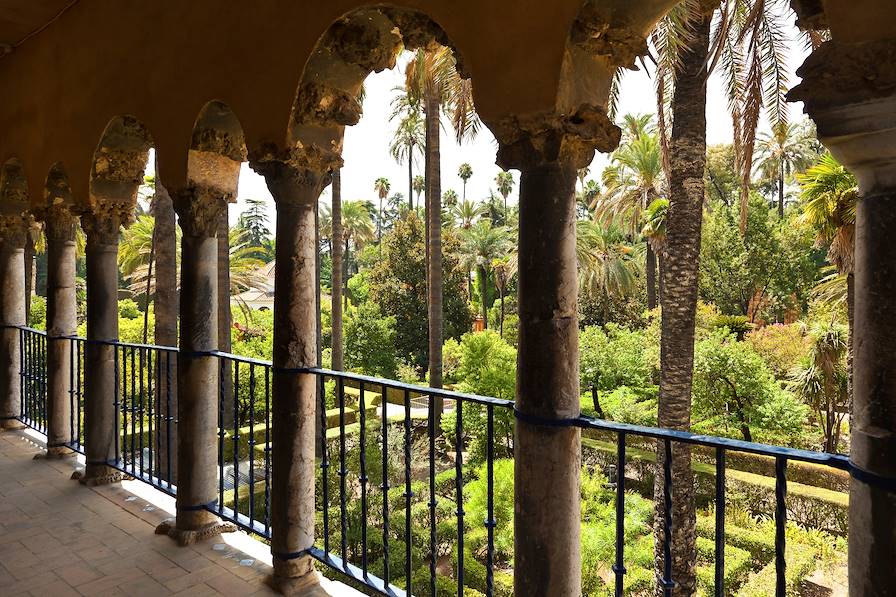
x,y
780,346
637,406
128,309
476,508
370,342
738,325
613,356
37,318
735,392
398,286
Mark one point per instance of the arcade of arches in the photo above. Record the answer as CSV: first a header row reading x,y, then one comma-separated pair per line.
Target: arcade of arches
x,y
88,87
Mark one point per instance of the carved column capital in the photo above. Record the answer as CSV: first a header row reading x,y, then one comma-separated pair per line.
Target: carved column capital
x,y
199,209
14,230
59,222
548,138
293,176
849,90
103,227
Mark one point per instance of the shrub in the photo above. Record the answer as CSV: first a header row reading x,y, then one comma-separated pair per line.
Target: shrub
x,y
629,405
781,346
37,318
370,342
613,356
128,309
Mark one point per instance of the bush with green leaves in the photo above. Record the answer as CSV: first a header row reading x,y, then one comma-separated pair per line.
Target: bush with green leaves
x,y
781,346
636,406
613,356
370,342
37,318
735,394
128,309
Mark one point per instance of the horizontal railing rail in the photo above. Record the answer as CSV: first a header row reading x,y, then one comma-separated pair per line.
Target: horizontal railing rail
x,y
391,460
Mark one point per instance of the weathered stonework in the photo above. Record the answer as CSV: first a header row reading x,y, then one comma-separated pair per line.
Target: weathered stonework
x,y
103,226
199,208
548,138
598,32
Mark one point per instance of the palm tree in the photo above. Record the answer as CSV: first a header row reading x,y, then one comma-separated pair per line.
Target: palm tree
x,y
821,380
381,186
419,186
829,195
654,231
782,153
504,268
432,80
408,143
632,182
607,265
504,183
465,214
465,172
449,198
481,244
245,266
357,229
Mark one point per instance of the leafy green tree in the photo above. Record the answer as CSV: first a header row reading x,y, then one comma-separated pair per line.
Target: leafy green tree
x,y
465,172
613,356
735,390
397,284
254,220
370,342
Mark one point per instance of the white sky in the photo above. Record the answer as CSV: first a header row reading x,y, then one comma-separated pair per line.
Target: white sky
x,y
366,144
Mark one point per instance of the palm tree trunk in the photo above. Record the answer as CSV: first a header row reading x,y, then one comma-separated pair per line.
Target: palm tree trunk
x,y
680,273
434,247
651,278
29,275
483,295
411,176
345,274
336,272
781,192
501,324
148,294
225,317
165,305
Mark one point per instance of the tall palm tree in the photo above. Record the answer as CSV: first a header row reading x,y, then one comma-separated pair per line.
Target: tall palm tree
x,y
419,186
357,230
634,179
465,172
829,195
654,231
449,198
432,80
381,185
504,183
481,244
245,265
408,142
782,153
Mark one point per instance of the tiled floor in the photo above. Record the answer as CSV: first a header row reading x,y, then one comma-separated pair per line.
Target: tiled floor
x,y
59,538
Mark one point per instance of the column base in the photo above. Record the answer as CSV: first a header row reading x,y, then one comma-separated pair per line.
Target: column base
x,y
295,578
95,475
55,453
11,425
186,537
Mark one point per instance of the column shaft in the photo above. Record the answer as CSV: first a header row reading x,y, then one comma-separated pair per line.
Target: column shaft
x,y
198,383
100,392
61,323
547,459
872,515
12,313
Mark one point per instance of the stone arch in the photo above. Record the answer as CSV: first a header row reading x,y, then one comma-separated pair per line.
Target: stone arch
x,y
217,149
117,169
364,41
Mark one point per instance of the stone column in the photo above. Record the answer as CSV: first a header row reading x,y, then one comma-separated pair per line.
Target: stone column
x,y
62,323
199,209
296,191
547,454
849,89
102,227
13,228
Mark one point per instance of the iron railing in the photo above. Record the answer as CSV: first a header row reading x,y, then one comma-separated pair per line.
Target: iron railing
x,y
366,506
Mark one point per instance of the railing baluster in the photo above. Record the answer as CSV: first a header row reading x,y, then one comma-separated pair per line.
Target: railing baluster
x,y
150,403
78,394
236,439
221,397
459,481
71,394
251,443
408,494
490,502
169,418
267,450
431,435
133,412
363,478
384,399
780,522
141,411
116,402
343,520
668,584
619,565
720,522
324,463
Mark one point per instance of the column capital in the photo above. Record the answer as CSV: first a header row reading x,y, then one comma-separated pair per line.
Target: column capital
x,y
199,209
849,90
547,138
103,226
59,222
14,229
291,174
